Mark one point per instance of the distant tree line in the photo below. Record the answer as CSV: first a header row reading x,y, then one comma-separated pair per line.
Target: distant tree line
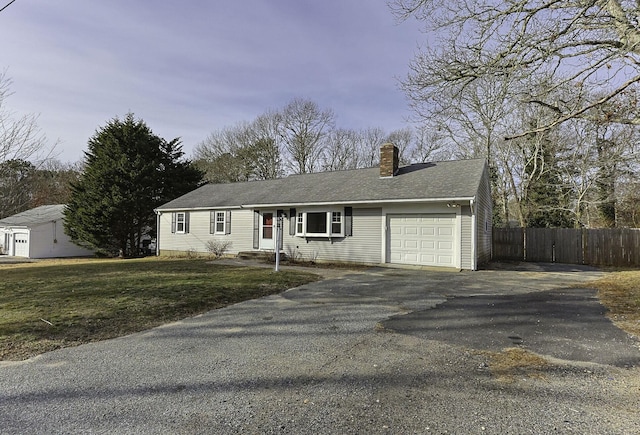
x,y
25,185
300,138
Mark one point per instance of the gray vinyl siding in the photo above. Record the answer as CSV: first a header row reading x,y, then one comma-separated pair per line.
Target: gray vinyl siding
x,y
199,226
241,235
363,247
484,224
466,257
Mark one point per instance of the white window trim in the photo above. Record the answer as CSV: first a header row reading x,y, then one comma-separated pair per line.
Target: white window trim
x,y
183,222
340,221
224,222
300,222
329,223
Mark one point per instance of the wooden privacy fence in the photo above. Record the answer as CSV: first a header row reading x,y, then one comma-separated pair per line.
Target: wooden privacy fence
x,y
598,247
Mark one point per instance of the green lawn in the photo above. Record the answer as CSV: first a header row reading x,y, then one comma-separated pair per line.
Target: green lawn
x,y
59,303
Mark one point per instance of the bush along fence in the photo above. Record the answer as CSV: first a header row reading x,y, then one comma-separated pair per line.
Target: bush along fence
x,y
597,247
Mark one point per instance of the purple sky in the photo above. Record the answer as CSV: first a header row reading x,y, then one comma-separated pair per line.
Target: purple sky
x,y
189,68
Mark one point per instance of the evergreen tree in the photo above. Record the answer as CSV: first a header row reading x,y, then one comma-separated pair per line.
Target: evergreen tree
x,y
545,193
129,171
606,183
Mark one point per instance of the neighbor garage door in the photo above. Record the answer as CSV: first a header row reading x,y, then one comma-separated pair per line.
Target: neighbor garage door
x,y
422,239
21,244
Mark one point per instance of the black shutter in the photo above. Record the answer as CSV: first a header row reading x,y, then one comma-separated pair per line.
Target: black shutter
x,y
293,219
348,221
227,222
256,229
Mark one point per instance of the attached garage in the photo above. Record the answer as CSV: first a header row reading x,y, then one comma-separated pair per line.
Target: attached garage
x,y
422,239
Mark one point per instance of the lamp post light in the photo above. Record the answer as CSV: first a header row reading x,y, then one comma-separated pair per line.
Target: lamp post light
x,y
279,224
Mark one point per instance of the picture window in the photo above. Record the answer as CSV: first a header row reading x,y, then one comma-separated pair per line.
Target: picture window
x,y
320,224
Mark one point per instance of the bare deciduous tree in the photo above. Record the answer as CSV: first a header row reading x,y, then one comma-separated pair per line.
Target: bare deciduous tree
x,y
217,155
590,45
267,127
301,137
20,136
246,151
546,91
343,150
304,127
23,150
429,145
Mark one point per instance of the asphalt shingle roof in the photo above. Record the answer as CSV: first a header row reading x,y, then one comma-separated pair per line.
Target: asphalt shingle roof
x,y
35,216
437,180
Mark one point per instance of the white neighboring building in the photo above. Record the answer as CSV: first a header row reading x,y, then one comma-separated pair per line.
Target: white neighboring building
x,y
38,233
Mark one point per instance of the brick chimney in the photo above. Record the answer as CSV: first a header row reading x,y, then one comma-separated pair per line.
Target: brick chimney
x,y
388,160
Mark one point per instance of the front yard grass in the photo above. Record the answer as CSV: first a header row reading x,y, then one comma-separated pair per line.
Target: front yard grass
x,y
620,293
59,303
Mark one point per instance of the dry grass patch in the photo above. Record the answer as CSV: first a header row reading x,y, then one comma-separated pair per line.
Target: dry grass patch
x,y
52,304
514,362
620,293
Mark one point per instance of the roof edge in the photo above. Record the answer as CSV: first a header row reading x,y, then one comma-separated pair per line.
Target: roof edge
x,y
378,201
313,204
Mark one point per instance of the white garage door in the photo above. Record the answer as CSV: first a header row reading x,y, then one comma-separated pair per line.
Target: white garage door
x,y
21,244
422,239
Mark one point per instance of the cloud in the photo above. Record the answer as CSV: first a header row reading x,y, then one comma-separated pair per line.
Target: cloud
x,y
188,68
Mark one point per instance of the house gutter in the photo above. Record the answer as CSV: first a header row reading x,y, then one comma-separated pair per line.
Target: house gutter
x,y
157,233
323,203
225,207
16,227
378,201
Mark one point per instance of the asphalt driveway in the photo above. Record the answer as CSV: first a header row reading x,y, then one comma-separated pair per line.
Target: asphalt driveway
x,y
376,351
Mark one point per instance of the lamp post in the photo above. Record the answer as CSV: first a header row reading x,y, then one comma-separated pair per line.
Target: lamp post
x,y
279,222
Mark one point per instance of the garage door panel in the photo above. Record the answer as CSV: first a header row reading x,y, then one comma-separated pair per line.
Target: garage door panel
x,y
395,257
395,244
428,231
427,259
411,257
422,239
448,259
445,231
411,231
428,244
448,246
411,244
